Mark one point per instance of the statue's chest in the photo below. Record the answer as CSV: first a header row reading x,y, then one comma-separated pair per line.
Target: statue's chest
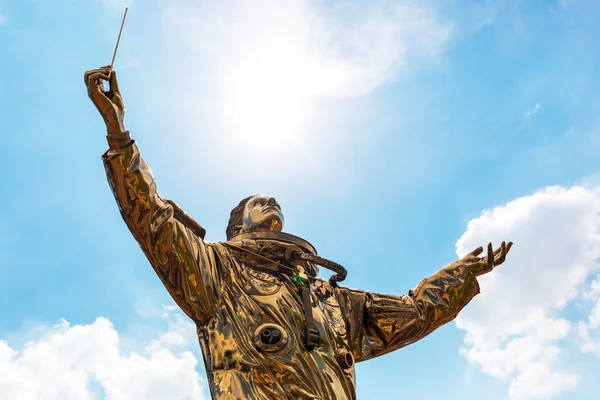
x,y
273,296
255,282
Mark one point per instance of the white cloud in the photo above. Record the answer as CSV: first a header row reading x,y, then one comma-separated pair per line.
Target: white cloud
x,y
309,46
533,111
589,331
87,362
515,327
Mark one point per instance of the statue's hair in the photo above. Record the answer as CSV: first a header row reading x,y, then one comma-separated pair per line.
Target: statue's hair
x,y
236,216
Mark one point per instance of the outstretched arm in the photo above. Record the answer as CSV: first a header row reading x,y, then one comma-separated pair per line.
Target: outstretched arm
x,y
184,263
379,324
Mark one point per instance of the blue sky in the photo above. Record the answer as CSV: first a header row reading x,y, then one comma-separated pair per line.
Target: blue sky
x,y
394,134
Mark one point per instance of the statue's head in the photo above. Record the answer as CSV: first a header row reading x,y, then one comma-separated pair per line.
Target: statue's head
x,y
255,213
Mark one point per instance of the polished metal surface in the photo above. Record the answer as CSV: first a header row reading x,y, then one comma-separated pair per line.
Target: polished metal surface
x,y
279,236
268,327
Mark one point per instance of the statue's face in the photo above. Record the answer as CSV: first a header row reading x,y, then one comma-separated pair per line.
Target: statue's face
x,y
262,213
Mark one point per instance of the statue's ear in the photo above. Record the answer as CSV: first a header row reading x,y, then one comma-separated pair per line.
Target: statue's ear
x,y
237,230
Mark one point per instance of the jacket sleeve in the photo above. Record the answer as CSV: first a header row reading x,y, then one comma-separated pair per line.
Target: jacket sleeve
x,y
378,324
184,263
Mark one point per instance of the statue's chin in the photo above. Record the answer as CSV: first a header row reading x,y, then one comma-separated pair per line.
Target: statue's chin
x,y
269,224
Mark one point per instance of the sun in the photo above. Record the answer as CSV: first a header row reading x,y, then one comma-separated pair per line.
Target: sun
x,y
267,99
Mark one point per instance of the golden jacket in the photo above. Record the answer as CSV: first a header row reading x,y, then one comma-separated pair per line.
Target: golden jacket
x,y
233,301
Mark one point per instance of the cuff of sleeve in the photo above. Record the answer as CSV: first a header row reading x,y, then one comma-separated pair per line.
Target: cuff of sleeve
x,y
475,282
118,141
126,152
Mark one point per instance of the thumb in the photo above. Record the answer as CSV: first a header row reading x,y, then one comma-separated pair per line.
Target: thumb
x,y
476,252
114,83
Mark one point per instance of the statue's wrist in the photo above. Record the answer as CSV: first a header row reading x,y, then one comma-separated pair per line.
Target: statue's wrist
x,y
478,271
115,127
118,140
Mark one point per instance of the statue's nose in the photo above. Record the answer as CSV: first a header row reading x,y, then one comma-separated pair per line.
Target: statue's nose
x,y
271,201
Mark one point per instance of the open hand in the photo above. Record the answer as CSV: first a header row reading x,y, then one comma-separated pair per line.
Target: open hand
x,y
108,102
483,265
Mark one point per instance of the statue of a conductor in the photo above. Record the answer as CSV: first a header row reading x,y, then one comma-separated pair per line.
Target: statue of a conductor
x,y
268,327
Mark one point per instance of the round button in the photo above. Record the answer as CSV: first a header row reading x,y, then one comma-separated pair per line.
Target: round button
x,y
345,359
270,337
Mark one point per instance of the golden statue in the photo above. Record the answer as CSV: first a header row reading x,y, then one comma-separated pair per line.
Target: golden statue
x,y
269,328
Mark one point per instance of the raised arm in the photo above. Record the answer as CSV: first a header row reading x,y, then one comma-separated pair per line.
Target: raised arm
x,y
171,241
379,324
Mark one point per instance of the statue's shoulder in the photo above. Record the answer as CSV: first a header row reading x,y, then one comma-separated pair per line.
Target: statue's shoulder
x,y
225,261
323,289
219,248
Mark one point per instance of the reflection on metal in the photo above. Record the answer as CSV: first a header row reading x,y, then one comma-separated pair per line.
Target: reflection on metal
x,y
269,328
280,237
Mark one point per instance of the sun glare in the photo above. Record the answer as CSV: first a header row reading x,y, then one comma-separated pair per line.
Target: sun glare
x,y
267,99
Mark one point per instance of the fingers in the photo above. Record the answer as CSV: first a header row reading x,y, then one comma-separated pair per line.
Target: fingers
x,y
91,77
95,84
493,258
96,81
87,74
500,253
487,263
476,252
114,84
